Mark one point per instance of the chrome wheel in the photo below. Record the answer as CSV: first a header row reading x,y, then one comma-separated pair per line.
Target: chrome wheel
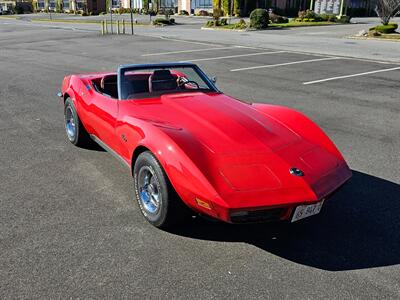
x,y
70,123
149,190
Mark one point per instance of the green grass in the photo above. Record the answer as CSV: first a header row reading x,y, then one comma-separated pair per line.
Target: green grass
x,y
282,25
392,36
303,24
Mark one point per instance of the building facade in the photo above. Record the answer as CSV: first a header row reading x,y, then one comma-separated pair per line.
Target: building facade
x,y
88,6
193,6
10,5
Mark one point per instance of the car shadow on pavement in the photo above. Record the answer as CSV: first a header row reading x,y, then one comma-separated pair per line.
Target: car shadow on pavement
x,y
359,227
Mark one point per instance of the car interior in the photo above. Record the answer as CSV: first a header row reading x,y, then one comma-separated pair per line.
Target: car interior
x,y
139,83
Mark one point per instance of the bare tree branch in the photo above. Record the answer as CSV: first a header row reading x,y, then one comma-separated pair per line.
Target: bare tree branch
x,y
387,9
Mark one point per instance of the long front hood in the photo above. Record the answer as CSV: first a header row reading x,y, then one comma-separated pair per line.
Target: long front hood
x,y
245,154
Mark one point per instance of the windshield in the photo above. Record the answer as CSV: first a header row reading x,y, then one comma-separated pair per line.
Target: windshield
x,y
154,82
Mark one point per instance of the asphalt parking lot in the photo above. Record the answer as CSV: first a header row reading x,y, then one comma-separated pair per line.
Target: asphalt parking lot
x,y
68,223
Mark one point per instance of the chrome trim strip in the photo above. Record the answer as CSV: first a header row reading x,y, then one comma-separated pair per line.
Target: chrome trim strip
x,y
109,150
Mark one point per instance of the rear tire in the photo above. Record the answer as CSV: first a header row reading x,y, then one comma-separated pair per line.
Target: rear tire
x,y
74,128
158,202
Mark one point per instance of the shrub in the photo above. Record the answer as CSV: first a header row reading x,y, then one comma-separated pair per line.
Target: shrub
x,y
241,24
259,18
149,12
309,14
223,22
162,21
389,28
210,23
18,9
277,19
332,18
166,12
203,13
102,13
344,19
183,13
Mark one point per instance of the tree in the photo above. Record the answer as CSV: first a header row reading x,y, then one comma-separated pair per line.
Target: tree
x,y
387,9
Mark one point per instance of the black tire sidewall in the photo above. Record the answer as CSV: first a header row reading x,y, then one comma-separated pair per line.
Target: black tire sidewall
x,y
147,159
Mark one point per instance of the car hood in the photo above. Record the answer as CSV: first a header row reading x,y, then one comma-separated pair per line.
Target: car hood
x,y
245,154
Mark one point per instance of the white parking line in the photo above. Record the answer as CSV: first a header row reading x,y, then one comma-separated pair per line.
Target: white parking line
x,y
233,56
187,51
352,75
183,41
286,64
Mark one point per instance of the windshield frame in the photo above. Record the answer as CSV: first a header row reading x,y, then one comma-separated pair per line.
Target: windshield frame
x,y
128,68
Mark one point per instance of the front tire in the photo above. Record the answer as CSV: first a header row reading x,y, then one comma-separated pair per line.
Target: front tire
x,y
158,202
76,133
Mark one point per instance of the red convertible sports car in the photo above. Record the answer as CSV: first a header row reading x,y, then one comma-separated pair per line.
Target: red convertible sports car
x,y
190,146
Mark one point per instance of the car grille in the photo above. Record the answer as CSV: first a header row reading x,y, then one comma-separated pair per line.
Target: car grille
x,y
256,216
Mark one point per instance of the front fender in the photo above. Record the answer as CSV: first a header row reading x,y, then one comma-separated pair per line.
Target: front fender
x,y
186,178
300,124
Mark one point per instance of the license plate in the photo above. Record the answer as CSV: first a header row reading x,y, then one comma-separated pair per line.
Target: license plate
x,y
304,211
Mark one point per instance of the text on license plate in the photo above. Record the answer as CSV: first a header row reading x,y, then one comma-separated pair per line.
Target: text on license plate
x,y
304,211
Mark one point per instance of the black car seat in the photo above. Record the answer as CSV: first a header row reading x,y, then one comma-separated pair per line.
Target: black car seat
x,y
162,80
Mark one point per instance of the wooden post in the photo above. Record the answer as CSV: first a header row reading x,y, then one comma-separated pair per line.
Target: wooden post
x,y
105,26
123,26
102,27
118,27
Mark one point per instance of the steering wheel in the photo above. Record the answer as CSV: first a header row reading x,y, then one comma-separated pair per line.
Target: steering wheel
x,y
183,81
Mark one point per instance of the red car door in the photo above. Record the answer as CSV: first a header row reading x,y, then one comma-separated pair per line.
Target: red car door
x,y
103,111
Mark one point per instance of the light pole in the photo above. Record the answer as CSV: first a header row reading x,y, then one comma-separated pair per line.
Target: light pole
x,y
111,16
49,8
131,18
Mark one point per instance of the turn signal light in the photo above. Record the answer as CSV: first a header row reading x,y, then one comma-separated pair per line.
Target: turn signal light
x,y
203,203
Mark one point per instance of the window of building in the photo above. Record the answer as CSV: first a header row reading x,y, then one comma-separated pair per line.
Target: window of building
x,y
52,4
80,5
169,3
65,4
202,4
41,4
115,3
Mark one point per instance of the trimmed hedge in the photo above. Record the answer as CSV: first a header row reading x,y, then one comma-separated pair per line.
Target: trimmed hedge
x,y
277,19
162,21
389,28
259,18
